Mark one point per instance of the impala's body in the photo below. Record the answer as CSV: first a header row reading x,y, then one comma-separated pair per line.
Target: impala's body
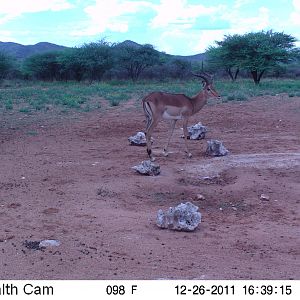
x,y
159,105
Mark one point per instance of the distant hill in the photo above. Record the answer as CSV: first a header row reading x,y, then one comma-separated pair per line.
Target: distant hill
x,y
21,51
191,58
129,43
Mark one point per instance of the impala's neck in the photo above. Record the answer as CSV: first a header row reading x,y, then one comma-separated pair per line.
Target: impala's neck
x,y
199,101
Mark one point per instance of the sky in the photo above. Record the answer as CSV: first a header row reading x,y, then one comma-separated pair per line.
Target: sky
x,y
181,27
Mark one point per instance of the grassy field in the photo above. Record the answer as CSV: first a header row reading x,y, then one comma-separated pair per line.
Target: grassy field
x,y
28,97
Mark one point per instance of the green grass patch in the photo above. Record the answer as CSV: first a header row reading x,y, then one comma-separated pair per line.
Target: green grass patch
x,y
25,110
244,89
65,96
8,104
32,133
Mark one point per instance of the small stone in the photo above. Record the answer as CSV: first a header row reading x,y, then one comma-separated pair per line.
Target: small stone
x,y
200,197
49,243
147,167
264,197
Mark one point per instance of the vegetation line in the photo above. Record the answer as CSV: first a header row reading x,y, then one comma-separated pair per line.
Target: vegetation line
x,y
28,97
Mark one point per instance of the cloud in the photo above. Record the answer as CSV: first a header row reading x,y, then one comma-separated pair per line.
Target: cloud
x,y
179,23
244,23
10,9
208,37
295,15
6,36
239,3
113,15
179,12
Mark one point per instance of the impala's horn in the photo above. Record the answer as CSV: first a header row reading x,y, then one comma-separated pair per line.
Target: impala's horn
x,y
206,77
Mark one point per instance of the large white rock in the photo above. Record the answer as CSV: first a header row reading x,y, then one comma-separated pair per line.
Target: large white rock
x,y
147,167
216,148
184,216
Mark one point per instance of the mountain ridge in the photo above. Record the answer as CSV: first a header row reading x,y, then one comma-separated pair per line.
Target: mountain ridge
x,y
21,51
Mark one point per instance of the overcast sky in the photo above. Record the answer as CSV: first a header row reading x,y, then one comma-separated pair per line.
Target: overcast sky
x,y
183,27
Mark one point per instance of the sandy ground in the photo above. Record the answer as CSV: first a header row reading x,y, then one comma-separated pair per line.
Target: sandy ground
x,y
72,181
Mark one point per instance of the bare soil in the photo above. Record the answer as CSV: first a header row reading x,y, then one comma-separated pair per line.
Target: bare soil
x,y
71,180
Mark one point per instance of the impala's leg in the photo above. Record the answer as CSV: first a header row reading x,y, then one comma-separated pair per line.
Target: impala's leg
x,y
186,134
149,131
173,122
150,124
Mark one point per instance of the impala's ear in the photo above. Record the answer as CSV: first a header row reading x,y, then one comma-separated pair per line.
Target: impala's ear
x,y
203,83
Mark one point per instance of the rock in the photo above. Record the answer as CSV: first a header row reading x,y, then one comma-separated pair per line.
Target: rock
x,y
264,197
147,167
49,243
200,197
184,216
138,140
197,131
216,148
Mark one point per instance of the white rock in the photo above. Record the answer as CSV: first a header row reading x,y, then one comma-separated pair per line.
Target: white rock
x,y
264,197
147,167
216,148
49,243
197,131
200,197
183,217
138,140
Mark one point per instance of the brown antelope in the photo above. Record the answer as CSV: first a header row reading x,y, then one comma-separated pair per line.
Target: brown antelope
x,y
174,107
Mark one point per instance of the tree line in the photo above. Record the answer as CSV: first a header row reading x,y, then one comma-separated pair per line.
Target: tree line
x,y
96,61
252,54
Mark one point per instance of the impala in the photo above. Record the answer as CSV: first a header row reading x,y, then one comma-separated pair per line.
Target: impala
x,y
164,106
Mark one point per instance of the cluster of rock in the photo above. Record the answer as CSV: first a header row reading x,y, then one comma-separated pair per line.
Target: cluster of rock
x,y
183,217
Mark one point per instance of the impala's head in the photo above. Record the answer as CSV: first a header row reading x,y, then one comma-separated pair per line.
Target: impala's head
x,y
208,87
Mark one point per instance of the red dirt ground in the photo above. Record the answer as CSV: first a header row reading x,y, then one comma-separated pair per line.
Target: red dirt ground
x,y
71,180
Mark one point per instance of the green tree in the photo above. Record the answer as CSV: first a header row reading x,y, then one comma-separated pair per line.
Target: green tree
x,y
135,59
6,64
265,51
97,58
180,68
43,66
256,52
72,64
226,56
